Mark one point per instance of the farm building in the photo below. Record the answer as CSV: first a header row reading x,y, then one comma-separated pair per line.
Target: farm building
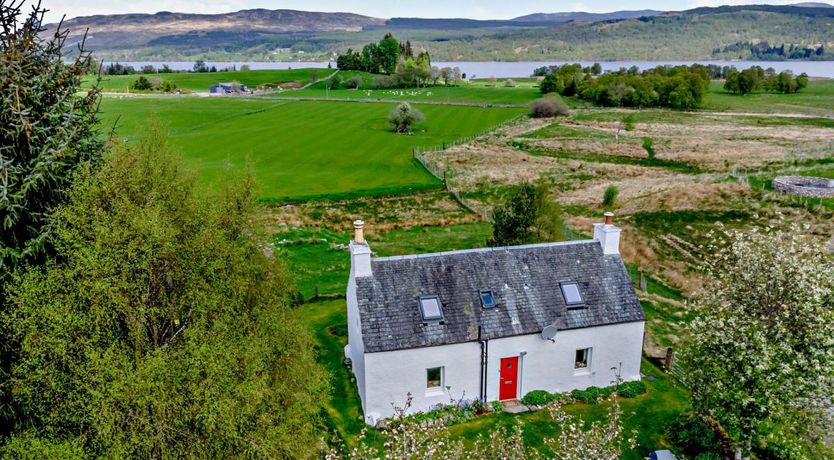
x,y
228,88
490,324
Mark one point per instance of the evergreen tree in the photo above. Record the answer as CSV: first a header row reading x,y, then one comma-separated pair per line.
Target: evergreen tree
x,y
48,131
389,54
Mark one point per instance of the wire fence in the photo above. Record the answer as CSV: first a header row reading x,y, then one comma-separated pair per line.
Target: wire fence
x,y
439,171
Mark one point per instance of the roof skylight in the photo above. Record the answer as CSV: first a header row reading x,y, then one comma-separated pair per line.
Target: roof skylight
x,y
487,299
570,291
431,308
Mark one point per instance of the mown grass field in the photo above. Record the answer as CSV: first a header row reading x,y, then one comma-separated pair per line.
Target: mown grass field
x,y
200,82
302,150
477,92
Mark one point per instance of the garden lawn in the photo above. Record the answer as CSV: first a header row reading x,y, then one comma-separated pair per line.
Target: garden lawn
x,y
302,150
200,82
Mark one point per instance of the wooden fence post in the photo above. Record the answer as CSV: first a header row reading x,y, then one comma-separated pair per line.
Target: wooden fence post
x,y
669,360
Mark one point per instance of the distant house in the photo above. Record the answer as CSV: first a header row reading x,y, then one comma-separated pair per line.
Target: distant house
x,y
228,88
490,324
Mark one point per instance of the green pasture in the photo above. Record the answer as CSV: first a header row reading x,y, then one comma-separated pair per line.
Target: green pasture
x,y
816,99
477,92
200,82
301,150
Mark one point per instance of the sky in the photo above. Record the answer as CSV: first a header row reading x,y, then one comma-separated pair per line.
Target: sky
x,y
475,9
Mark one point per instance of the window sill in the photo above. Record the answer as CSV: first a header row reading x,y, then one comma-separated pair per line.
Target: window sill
x,y
582,371
434,392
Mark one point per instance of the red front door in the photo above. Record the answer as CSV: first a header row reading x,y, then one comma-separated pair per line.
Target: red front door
x,y
508,387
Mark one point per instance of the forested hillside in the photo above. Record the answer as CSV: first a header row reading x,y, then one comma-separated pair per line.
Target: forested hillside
x,y
741,32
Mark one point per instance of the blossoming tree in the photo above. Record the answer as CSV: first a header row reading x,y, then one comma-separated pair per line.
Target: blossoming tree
x,y
761,354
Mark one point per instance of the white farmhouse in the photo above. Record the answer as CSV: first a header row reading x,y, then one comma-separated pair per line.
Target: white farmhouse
x,y
490,324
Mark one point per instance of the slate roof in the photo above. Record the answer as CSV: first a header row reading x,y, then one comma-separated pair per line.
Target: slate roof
x,y
524,280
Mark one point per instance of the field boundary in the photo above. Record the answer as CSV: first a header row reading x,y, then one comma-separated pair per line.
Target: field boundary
x,y
440,173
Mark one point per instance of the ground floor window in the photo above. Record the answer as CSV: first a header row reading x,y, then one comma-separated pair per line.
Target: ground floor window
x,y
583,358
434,378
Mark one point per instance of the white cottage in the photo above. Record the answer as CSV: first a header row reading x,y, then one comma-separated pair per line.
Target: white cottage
x,y
490,324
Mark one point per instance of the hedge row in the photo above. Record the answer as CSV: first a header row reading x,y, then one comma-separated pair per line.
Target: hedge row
x,y
589,395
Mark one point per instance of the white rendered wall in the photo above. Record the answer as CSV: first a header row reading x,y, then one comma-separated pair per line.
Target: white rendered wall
x,y
355,343
550,366
390,376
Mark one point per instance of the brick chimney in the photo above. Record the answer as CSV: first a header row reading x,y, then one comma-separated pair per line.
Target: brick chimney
x,y
608,235
360,252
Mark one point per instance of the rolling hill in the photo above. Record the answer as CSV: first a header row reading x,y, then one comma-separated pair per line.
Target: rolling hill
x,y
726,32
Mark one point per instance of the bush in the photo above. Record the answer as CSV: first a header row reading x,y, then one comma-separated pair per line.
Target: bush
x,y
537,398
404,117
497,406
629,123
632,389
589,395
141,84
547,107
384,82
353,83
610,196
693,436
550,84
648,146
510,83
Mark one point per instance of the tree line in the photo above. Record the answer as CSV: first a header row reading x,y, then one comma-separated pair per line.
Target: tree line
x,y
755,79
678,87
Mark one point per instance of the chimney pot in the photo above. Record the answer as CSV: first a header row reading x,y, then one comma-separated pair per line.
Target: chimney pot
x,y
609,218
359,227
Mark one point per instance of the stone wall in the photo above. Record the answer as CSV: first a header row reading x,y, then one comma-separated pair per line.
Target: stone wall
x,y
811,187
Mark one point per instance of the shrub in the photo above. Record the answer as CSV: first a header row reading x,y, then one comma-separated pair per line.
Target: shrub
x,y
497,406
547,107
550,84
167,86
510,83
384,81
610,196
353,83
537,398
693,436
648,146
334,82
589,395
628,122
632,389
404,117
479,407
141,84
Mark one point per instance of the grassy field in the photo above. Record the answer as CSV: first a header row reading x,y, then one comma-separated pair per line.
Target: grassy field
x,y
301,150
816,99
478,92
200,82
